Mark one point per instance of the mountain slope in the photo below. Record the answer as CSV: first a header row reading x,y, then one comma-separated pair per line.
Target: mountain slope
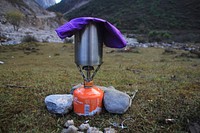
x,y
27,7
68,5
46,3
35,21
143,14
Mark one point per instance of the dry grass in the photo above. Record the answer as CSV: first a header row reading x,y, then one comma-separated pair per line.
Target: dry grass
x,y
168,88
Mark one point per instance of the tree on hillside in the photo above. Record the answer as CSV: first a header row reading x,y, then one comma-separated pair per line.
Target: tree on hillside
x,y
14,18
60,17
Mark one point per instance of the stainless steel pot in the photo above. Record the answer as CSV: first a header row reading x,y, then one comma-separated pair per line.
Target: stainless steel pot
x,y
89,46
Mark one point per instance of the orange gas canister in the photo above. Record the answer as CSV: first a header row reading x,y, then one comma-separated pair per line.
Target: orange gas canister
x,y
87,100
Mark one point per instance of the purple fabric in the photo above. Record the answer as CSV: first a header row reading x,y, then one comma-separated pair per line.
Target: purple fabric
x,y
112,36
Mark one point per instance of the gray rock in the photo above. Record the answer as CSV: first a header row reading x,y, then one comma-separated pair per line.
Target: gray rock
x,y
83,127
69,123
70,129
116,101
64,130
109,130
59,103
93,130
1,62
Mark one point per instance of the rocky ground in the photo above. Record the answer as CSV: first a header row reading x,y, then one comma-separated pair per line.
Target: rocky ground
x,y
41,27
132,42
15,37
36,22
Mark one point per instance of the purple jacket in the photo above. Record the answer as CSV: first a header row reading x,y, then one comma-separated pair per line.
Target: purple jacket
x,y
112,36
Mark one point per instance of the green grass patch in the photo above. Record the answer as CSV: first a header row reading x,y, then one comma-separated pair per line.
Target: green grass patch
x,y
168,88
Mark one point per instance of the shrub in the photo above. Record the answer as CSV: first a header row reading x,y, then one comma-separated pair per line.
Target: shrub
x,y
189,37
29,38
56,54
166,35
142,39
158,36
14,18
